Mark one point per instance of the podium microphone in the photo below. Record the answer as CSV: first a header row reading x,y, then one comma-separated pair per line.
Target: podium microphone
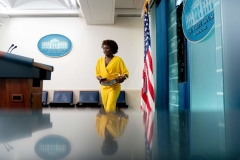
x,y
13,49
7,146
10,47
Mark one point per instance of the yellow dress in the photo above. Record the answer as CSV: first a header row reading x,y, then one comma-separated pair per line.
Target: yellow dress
x,y
110,93
114,123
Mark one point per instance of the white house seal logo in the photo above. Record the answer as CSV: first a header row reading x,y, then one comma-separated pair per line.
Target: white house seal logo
x,y
54,45
197,19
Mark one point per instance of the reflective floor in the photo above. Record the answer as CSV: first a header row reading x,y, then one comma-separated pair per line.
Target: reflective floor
x,y
71,134
91,134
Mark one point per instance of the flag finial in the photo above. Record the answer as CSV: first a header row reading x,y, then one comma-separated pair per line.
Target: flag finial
x,y
146,5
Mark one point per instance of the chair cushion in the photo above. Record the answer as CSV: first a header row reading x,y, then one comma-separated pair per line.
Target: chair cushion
x,y
63,96
89,97
121,97
44,97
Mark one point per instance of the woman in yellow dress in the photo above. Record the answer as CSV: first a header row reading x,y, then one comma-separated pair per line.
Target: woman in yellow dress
x,y
110,71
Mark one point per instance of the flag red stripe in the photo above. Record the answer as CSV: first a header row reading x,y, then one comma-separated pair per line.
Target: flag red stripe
x,y
145,99
150,60
150,86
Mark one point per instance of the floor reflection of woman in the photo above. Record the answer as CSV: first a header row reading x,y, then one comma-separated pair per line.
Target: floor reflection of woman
x,y
110,126
108,68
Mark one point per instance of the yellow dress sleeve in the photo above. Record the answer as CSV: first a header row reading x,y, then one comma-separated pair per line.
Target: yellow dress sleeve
x,y
123,69
98,65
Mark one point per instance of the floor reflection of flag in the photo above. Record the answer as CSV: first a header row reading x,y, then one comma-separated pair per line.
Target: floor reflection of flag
x,y
148,125
147,95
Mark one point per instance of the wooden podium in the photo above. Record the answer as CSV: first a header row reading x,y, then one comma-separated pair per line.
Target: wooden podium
x,y
21,81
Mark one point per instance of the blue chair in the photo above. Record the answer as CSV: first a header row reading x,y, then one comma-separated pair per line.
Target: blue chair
x,y
44,99
121,102
88,99
62,99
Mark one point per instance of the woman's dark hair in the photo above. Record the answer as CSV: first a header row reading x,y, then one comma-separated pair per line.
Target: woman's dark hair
x,y
112,44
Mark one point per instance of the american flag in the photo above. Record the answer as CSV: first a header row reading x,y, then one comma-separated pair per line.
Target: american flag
x,y
147,96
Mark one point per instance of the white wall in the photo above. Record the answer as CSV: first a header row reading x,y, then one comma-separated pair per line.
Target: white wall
x,y
77,69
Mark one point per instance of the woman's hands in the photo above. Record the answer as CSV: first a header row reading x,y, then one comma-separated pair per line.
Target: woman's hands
x,y
100,79
121,79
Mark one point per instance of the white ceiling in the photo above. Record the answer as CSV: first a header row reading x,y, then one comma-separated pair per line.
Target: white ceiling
x,y
94,11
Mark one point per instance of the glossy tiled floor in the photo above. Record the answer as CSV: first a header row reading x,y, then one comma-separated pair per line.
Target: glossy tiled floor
x,y
69,134
77,134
